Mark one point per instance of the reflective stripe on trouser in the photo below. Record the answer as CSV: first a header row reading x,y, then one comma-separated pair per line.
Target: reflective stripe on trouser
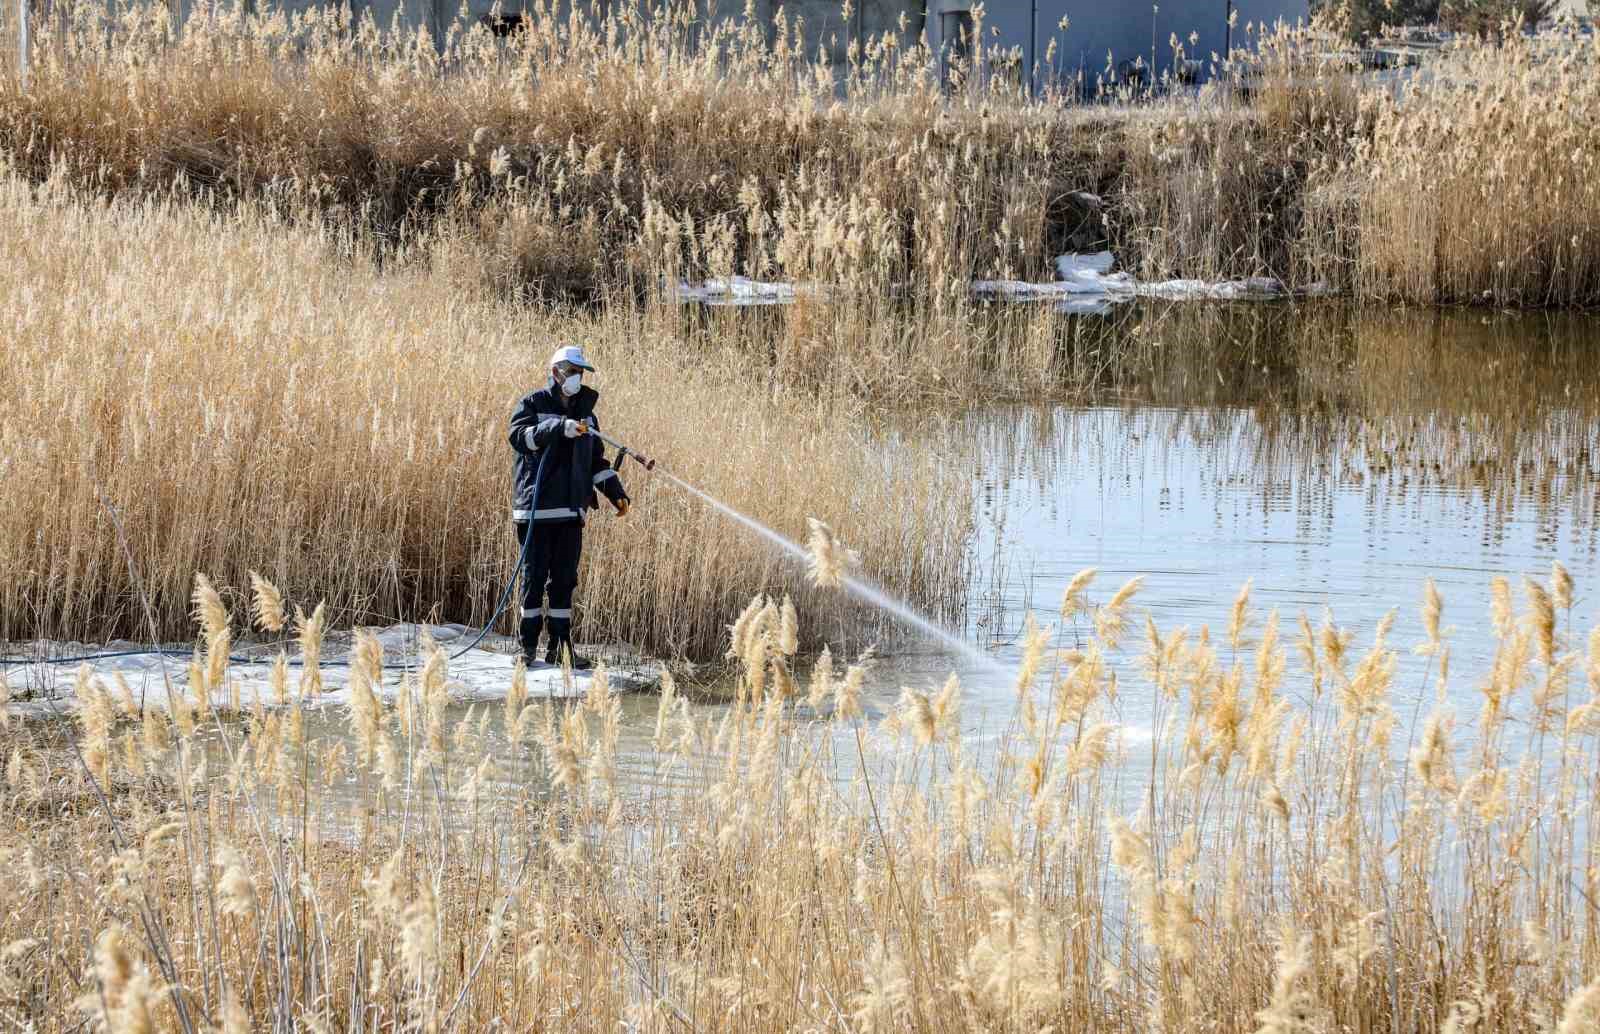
x,y
552,568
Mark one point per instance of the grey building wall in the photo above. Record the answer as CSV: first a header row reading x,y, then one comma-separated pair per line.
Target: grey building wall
x,y
1116,32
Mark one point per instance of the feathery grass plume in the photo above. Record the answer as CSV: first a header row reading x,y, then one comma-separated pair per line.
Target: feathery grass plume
x,y
1307,644
128,706
209,612
1034,642
366,715
1225,716
1110,621
821,687
847,695
830,560
1292,1009
1542,619
266,605
156,736
389,764
1335,644
369,656
947,707
788,629
885,993
664,707
309,632
419,936
113,968
278,679
183,715
1581,1013
1239,616
218,648
783,685
1072,600
5,701
199,685
1384,626
1561,585
758,643
1500,612
1089,752
1432,608
739,631
916,713
236,893
1272,798
96,717
1592,663
14,770
516,697
1431,759
567,753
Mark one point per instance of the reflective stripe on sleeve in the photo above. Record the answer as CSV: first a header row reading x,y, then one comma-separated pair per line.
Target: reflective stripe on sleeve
x,y
532,612
604,475
560,612
527,439
521,515
555,513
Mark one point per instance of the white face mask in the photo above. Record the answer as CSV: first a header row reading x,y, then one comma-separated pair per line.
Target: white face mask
x,y
573,382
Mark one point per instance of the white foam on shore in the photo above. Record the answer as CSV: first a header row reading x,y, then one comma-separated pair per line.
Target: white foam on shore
x,y
482,674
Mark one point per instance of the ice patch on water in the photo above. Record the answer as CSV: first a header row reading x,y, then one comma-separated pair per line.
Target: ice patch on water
x,y
1085,283
740,290
480,675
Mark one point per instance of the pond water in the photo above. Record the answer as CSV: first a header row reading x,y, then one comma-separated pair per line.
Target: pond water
x,y
1333,458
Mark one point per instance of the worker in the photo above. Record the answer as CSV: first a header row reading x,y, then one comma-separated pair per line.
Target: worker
x,y
551,429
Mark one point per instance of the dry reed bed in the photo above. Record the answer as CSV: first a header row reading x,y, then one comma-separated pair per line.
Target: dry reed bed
x,y
706,152
1482,185
243,395
715,152
1305,846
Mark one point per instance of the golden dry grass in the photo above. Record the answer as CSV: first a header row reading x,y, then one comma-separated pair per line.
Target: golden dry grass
x,y
714,152
246,395
1303,846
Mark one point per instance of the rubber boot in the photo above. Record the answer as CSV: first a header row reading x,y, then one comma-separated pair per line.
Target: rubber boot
x,y
553,655
528,633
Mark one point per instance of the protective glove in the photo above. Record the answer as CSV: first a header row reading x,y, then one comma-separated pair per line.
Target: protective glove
x,y
622,506
574,428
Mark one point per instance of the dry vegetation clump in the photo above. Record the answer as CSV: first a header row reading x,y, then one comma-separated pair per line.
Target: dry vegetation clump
x,y
1479,184
234,394
707,150
1291,851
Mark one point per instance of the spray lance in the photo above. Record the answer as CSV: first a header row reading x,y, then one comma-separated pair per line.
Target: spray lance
x,y
623,451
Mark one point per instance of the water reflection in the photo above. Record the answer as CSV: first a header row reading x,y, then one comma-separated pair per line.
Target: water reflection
x,y
1333,457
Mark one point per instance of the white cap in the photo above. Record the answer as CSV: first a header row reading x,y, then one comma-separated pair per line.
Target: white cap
x,y
571,354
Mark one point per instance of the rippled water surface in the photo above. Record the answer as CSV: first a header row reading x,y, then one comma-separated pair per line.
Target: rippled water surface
x,y
1334,460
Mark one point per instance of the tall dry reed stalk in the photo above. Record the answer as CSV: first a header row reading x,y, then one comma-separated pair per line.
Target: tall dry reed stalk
x,y
1284,854
246,396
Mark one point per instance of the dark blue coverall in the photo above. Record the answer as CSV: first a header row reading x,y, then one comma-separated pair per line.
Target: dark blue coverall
x,y
553,510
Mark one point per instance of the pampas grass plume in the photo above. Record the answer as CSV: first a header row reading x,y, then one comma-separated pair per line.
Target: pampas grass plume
x,y
266,605
830,560
208,609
